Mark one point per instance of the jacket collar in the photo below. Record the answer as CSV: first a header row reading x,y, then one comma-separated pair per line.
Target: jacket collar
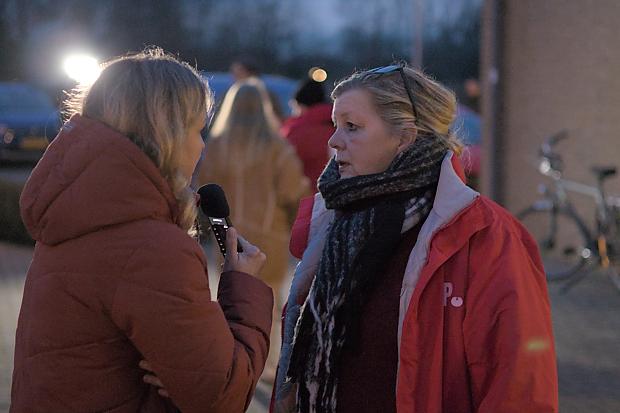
x,y
452,194
456,216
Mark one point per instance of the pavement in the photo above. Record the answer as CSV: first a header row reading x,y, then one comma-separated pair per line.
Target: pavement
x,y
586,326
586,323
14,263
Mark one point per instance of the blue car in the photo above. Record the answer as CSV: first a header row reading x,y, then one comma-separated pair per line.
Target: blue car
x,y
279,86
28,122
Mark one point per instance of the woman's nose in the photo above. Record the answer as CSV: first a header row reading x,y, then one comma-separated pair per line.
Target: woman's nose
x,y
334,141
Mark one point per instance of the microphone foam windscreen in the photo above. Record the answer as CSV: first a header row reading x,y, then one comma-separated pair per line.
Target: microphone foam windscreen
x,y
213,201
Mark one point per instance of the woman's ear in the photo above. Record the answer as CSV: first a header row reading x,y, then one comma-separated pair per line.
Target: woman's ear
x,y
406,140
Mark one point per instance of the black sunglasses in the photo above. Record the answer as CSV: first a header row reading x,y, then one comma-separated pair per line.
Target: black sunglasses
x,y
384,70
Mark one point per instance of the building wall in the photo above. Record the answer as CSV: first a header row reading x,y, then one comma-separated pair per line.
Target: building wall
x,y
559,68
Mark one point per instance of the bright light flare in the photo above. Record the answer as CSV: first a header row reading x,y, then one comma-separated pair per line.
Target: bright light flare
x,y
317,74
83,69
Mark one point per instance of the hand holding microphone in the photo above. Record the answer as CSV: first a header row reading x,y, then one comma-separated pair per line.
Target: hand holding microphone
x,y
250,261
239,254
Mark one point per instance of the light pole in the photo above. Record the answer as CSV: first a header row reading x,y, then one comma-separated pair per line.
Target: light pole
x,y
417,49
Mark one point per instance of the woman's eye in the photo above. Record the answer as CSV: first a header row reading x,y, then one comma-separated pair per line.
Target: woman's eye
x,y
351,126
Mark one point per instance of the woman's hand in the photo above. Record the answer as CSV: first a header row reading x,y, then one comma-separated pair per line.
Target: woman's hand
x,y
152,379
250,261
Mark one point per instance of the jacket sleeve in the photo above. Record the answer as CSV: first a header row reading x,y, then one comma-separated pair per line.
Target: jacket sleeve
x,y
208,355
507,330
301,227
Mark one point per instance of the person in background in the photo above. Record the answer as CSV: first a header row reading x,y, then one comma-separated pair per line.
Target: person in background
x,y
245,68
472,92
310,127
116,276
261,175
414,293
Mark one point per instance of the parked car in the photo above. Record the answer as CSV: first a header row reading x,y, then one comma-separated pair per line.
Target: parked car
x,y
279,87
28,122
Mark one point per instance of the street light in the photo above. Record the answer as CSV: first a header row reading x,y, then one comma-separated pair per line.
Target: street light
x,y
83,69
317,74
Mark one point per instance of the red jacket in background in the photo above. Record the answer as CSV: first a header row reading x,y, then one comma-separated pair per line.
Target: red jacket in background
x,y
309,134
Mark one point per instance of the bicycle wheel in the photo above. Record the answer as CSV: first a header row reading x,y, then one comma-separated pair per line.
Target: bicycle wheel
x,y
563,243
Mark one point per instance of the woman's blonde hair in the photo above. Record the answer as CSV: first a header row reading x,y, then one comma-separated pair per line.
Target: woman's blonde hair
x,y
152,98
246,121
435,105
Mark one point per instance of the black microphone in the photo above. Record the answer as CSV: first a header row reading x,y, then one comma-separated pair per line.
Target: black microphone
x,y
214,205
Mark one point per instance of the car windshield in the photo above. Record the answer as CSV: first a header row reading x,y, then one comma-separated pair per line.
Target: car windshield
x,y
23,99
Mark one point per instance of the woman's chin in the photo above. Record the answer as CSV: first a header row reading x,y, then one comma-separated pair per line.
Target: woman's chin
x,y
345,172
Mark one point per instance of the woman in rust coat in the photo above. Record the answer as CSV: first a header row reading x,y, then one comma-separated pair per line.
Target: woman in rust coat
x,y
115,277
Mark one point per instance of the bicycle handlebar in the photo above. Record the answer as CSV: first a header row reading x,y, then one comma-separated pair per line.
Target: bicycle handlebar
x,y
561,135
546,148
546,151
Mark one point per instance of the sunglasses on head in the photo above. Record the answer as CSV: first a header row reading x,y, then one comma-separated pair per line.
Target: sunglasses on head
x,y
385,70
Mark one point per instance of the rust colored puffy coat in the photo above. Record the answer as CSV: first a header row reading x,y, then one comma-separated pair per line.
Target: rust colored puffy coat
x,y
114,280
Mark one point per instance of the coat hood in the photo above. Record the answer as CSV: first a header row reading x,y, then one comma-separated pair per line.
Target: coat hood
x,y
92,177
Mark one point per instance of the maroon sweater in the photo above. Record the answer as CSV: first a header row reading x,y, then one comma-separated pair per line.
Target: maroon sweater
x,y
367,376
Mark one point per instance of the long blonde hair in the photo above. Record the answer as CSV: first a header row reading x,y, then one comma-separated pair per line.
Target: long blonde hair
x,y
435,104
246,122
153,99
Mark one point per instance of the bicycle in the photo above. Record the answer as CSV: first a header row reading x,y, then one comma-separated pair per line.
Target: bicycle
x,y
570,250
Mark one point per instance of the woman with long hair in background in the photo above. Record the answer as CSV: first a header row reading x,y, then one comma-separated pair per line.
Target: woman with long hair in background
x,y
261,175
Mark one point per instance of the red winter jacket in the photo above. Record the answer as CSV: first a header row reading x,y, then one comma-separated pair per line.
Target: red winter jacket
x,y
475,329
309,134
114,280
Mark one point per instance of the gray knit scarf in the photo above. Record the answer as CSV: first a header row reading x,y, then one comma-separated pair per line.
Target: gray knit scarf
x,y
371,212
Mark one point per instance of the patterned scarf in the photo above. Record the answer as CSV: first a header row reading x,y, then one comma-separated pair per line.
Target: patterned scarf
x,y
371,213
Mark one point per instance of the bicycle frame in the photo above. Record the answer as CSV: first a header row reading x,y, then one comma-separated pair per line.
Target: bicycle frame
x,y
558,196
562,186
600,245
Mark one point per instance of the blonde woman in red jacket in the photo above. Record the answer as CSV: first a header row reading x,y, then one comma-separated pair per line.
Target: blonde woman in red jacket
x,y
414,293
115,276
